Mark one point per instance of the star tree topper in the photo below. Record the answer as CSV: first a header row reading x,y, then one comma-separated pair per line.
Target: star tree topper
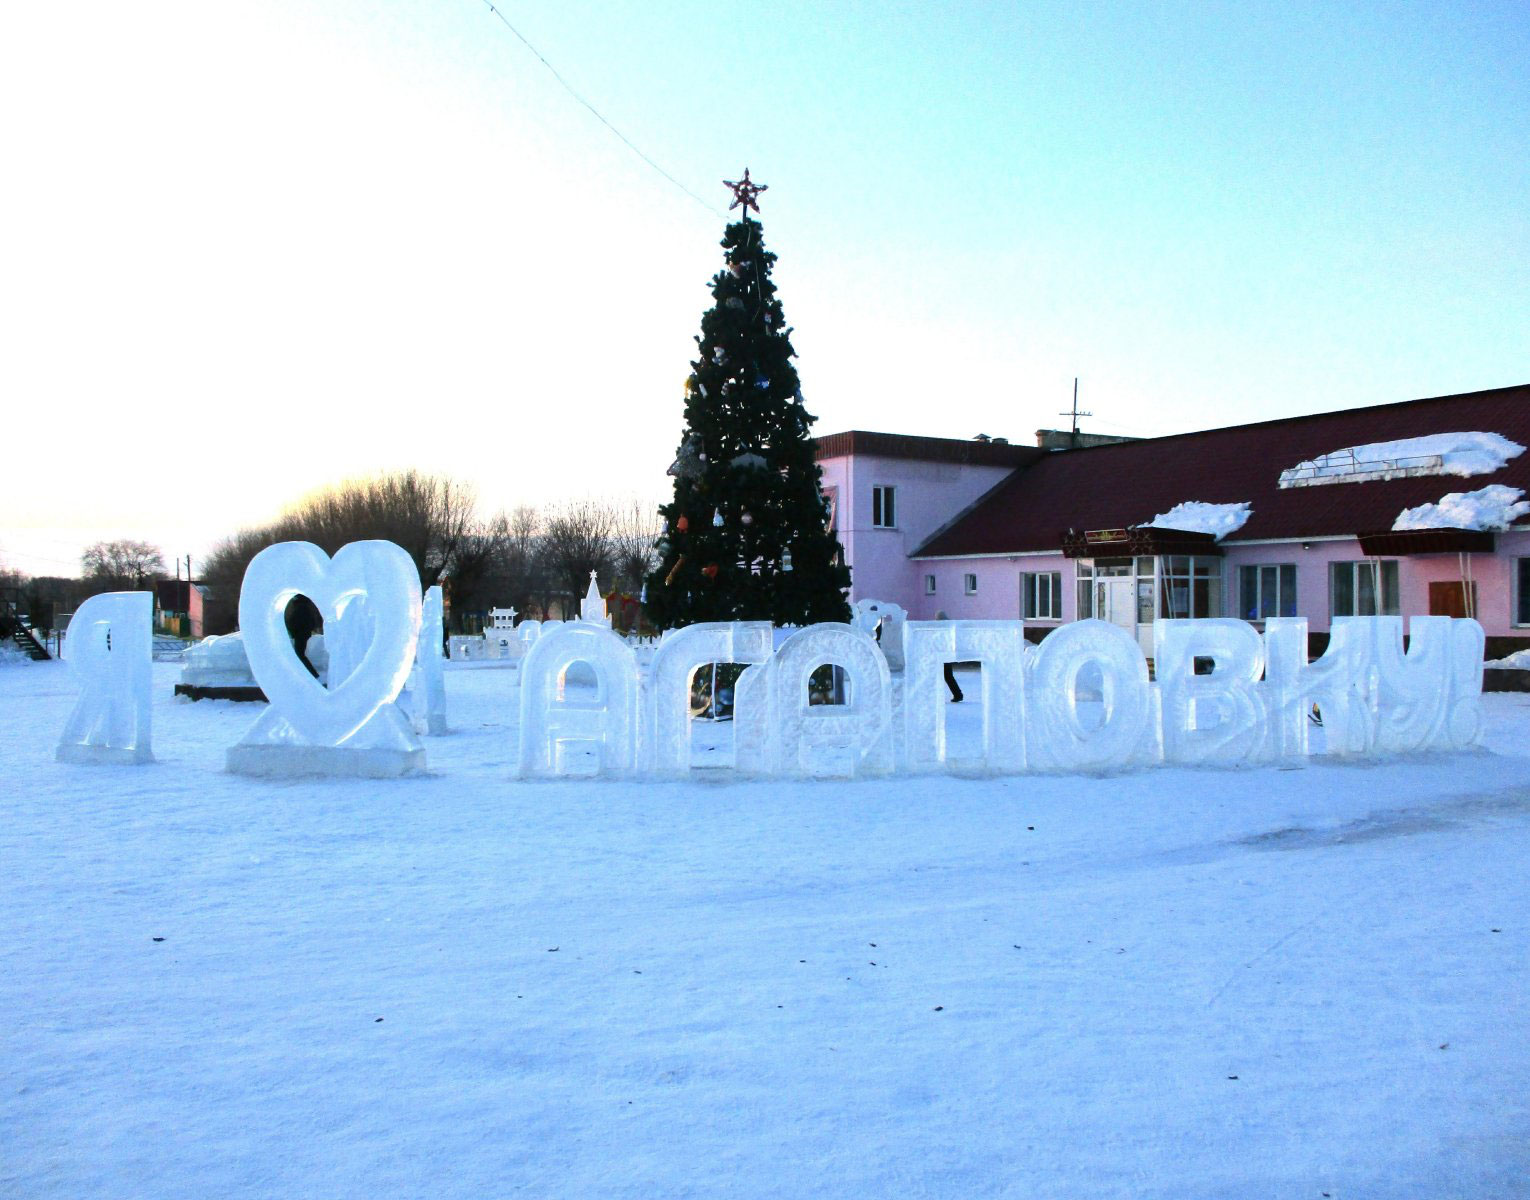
x,y
744,192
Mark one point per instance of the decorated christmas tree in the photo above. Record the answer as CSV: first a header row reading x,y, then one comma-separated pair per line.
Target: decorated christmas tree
x,y
746,537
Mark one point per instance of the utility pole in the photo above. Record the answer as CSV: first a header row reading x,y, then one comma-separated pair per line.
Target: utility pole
x,y
1075,414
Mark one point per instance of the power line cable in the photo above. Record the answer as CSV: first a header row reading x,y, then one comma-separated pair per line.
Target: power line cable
x,y
567,87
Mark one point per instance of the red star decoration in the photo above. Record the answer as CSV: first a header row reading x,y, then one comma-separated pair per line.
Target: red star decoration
x,y
744,192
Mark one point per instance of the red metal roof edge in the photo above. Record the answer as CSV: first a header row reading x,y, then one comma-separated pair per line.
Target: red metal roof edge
x,y
1298,419
925,449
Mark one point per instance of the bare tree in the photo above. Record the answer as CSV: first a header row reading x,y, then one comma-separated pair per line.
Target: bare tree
x,y
576,542
636,527
121,565
223,575
427,515
476,565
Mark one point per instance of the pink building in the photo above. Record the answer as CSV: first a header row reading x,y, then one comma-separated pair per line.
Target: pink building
x,y
1296,517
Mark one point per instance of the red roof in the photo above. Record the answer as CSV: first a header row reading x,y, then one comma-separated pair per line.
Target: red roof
x,y
1118,486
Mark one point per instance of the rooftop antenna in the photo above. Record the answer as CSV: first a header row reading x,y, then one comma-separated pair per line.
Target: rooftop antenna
x,y
1075,414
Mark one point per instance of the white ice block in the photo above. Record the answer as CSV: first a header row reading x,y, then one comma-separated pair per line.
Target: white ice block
x,y
666,700
1109,661
1218,717
430,697
109,651
567,734
845,740
369,597
999,647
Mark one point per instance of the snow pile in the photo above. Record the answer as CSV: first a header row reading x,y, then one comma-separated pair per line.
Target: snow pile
x,y
1493,507
1463,454
1196,516
1518,661
11,656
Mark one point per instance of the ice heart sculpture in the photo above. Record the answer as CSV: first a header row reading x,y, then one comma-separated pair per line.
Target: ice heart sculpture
x,y
378,571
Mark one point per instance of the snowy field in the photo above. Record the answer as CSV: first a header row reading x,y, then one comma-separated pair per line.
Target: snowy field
x,y
1170,983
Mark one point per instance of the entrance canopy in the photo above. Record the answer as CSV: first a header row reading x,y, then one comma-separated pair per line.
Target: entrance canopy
x,y
1140,539
1398,543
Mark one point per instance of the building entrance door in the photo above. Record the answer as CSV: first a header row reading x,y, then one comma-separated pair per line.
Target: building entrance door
x,y
1115,600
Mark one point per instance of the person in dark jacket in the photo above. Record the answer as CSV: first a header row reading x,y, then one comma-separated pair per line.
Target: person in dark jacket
x,y
956,692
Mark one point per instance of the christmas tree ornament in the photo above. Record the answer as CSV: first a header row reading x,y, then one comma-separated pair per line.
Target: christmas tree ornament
x,y
747,518
688,461
745,192
717,518
762,383
710,570
674,570
683,523
733,302
748,461
786,559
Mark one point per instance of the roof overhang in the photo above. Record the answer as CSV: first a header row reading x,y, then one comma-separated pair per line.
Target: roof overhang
x,y
1396,543
1140,539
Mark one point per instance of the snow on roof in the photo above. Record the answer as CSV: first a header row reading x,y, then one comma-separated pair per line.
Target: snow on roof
x,y
1463,454
1493,507
1196,516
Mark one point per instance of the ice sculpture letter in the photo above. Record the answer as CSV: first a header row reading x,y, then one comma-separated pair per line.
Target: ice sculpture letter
x,y
1296,693
556,731
1101,656
1236,653
666,701
110,653
849,739
1000,647
1416,697
369,593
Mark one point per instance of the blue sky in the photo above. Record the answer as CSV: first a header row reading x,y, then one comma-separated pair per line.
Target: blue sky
x,y
253,249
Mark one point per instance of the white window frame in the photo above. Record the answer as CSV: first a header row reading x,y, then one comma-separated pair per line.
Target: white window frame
x,y
1041,595
969,584
1259,605
884,506
1378,568
929,585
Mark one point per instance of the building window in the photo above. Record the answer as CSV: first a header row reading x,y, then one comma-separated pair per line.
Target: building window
x,y
884,510
969,584
1522,591
929,585
1267,591
1041,595
1363,589
1189,587
1085,572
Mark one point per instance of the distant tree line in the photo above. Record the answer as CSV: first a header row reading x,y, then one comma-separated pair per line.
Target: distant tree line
x,y
117,566
535,559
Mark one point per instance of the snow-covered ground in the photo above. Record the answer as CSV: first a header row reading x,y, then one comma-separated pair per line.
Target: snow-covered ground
x,y
1170,983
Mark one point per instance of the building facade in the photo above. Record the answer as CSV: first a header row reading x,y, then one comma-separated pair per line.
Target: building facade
x,y
1389,509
